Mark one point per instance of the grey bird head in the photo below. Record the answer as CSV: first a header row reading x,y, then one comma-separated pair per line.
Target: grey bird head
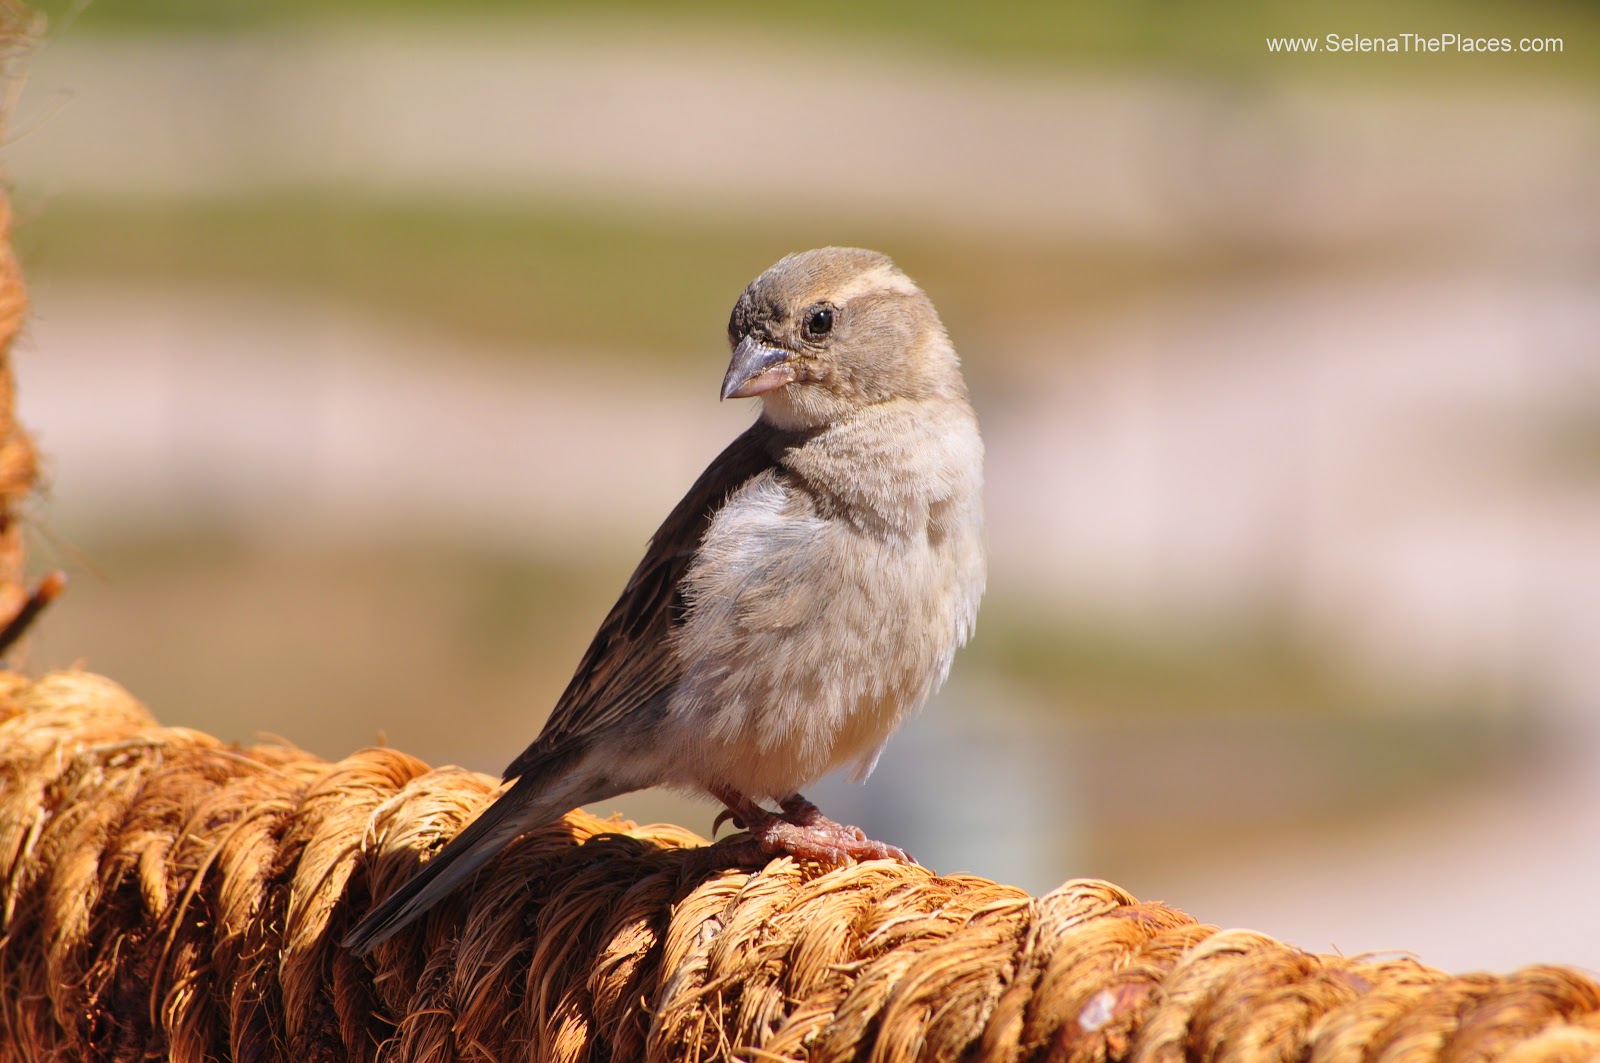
x,y
829,331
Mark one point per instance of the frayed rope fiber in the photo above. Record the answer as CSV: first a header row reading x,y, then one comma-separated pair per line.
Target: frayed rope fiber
x,y
170,896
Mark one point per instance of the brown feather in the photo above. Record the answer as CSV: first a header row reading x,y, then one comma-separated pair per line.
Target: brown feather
x,y
631,659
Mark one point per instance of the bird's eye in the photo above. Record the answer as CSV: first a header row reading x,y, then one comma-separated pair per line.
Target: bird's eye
x,y
819,322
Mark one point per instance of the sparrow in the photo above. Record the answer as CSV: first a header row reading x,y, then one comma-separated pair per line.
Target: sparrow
x,y
804,597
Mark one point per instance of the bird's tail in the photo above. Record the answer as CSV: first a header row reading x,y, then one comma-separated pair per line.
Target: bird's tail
x,y
527,804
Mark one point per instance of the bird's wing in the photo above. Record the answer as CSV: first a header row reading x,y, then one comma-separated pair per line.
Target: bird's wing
x,y
631,659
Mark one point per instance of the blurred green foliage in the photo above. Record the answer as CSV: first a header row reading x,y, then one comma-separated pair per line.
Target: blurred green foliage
x,y
1254,668
1223,37
562,281
1201,786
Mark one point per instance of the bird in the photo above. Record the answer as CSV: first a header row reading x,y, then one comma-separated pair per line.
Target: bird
x,y
803,598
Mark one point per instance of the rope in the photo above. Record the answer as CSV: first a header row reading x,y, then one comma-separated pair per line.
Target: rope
x,y
18,460
166,895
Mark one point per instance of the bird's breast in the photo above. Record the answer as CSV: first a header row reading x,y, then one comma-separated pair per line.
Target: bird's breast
x,y
815,625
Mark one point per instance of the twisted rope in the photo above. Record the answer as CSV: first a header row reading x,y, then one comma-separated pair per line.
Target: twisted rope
x,y
166,895
18,460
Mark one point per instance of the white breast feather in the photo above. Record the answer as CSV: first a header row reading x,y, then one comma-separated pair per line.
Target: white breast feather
x,y
810,639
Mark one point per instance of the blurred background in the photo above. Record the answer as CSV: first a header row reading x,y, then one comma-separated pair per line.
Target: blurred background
x,y
372,340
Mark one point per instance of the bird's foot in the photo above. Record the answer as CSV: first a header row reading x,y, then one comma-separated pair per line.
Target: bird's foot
x,y
824,840
802,831
800,812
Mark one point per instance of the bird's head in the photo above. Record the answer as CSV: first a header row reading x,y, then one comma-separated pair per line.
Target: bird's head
x,y
826,332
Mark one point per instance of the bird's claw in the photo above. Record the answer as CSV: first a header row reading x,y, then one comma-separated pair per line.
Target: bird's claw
x,y
803,832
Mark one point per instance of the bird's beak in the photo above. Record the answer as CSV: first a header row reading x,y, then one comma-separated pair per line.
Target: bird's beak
x,y
756,369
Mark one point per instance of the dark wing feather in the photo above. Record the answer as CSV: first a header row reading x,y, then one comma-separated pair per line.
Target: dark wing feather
x,y
630,660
